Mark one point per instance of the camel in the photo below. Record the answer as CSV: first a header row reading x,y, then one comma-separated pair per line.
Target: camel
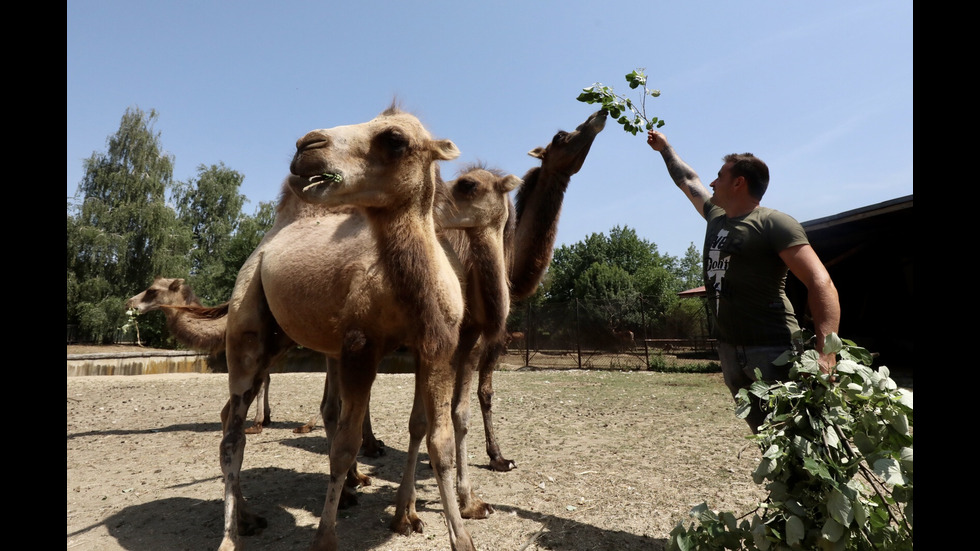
x,y
197,327
353,284
529,249
474,233
624,340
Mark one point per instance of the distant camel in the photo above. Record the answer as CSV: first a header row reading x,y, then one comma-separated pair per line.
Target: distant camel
x,y
195,326
529,248
624,340
318,280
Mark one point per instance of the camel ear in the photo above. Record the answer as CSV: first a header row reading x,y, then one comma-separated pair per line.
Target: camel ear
x,y
509,183
175,284
444,150
537,152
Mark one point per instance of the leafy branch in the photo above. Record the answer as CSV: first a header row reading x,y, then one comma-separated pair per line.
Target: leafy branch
x,y
621,108
836,459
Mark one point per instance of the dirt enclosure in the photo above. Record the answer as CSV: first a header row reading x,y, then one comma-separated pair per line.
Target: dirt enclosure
x,y
606,460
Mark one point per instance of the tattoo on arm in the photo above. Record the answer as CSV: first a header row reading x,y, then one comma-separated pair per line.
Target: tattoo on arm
x,y
683,175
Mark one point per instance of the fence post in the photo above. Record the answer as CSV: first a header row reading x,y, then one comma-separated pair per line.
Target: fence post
x,y
578,336
643,319
527,336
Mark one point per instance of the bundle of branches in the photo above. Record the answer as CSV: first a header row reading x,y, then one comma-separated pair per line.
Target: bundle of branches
x,y
836,460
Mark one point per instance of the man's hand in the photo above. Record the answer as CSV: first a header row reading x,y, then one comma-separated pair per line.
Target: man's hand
x,y
656,140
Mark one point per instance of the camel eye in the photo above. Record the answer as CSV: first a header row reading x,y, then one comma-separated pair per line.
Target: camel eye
x,y
560,137
393,141
466,187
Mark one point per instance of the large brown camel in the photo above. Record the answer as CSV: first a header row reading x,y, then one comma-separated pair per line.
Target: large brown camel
x,y
325,282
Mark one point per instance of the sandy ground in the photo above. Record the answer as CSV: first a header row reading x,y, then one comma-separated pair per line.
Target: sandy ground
x,y
606,460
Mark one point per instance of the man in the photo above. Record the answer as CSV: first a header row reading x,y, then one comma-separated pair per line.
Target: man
x,y
747,251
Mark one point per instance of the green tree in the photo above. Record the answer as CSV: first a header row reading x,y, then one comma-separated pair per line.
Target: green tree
x,y
251,230
621,248
211,206
621,281
689,269
121,232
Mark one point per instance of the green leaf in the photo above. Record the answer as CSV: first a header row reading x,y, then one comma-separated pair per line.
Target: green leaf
x,y
889,470
832,530
839,507
794,530
832,344
816,468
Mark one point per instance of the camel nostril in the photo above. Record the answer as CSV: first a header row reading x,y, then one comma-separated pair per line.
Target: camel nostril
x,y
312,140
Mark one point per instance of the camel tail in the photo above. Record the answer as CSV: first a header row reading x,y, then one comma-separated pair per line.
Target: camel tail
x,y
201,328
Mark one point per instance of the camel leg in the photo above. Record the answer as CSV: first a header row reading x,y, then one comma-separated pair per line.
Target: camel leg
x,y
244,359
372,447
488,362
358,366
406,519
263,413
437,384
330,411
470,505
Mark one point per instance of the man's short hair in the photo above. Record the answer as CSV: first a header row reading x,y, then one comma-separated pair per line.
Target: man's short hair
x,y
755,172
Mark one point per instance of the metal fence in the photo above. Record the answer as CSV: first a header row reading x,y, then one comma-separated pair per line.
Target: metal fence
x,y
608,335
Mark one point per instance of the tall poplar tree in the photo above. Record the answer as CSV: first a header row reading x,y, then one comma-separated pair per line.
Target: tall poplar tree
x,y
211,206
121,232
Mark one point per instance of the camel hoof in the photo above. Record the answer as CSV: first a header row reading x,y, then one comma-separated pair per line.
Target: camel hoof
x,y
250,524
305,429
254,429
348,498
502,465
407,524
478,509
357,479
374,448
267,422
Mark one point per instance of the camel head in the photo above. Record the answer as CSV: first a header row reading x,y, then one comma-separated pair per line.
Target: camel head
x,y
476,199
386,162
567,151
163,292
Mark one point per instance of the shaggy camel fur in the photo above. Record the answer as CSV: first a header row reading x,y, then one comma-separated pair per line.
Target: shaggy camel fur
x,y
322,281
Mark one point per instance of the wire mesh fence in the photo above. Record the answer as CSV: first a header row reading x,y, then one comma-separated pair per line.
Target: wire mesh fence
x,y
613,334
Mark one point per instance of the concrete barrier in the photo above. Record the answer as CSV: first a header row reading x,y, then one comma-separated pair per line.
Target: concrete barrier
x,y
184,361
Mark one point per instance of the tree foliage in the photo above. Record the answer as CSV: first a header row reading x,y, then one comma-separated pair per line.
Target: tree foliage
x,y
121,232
211,206
251,229
620,280
836,459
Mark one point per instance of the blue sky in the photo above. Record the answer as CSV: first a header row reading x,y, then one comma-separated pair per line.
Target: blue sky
x,y
822,91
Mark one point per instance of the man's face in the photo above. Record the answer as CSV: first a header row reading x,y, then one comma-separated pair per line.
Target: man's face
x,y
722,186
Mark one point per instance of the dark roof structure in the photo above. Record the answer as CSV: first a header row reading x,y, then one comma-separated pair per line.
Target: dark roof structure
x,y
868,252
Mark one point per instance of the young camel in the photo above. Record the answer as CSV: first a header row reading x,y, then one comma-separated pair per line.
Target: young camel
x,y
474,232
353,287
197,327
530,247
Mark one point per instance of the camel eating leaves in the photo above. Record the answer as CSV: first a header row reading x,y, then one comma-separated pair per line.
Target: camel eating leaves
x,y
353,288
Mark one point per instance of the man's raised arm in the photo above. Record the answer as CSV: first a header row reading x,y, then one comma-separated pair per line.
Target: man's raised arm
x,y
684,176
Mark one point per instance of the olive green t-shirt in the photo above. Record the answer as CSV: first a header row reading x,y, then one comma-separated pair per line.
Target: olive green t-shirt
x,y
746,279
